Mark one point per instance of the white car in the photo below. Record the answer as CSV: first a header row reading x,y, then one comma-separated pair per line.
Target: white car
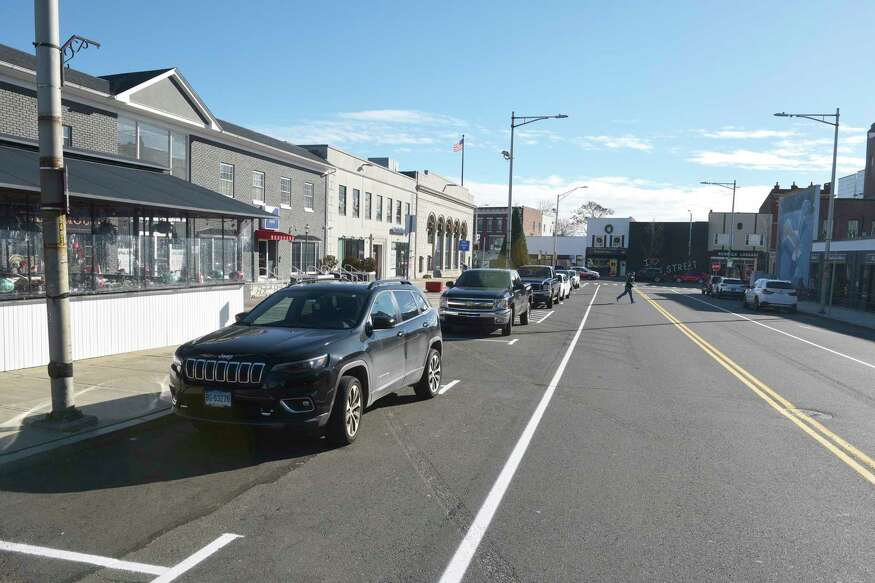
x,y
565,287
573,275
771,293
728,286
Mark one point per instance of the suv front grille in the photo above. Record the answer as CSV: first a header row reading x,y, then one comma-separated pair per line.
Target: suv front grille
x,y
470,304
223,371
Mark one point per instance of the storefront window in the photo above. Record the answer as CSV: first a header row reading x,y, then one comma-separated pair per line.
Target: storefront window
x,y
127,138
178,156
154,145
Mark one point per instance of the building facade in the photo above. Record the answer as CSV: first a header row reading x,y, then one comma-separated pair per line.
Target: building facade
x,y
673,247
738,242
369,203
491,229
156,117
570,251
608,245
444,225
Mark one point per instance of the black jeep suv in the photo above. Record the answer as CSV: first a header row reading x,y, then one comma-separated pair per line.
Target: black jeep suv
x,y
311,356
486,298
546,285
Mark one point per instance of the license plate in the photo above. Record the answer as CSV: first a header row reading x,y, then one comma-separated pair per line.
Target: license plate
x,y
217,398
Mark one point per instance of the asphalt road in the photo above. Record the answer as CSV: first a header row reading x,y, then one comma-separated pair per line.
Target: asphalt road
x,y
673,441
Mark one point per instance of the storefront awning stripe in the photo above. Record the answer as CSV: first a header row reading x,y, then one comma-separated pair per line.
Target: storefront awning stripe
x,y
19,168
271,235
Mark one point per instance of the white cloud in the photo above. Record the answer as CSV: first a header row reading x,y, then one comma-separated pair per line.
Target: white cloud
x,y
626,141
634,197
742,134
401,116
788,158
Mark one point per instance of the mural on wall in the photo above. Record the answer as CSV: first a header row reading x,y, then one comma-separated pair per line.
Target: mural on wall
x,y
797,224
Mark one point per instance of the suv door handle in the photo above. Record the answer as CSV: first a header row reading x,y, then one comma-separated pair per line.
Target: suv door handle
x,y
425,324
400,333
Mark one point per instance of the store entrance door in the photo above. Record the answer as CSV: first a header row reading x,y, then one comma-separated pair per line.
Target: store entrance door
x,y
267,254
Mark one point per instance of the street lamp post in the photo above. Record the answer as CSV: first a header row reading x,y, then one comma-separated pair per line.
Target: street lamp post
x,y
731,185
515,122
690,238
822,117
558,198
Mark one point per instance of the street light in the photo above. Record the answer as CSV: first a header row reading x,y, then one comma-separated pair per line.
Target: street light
x,y
690,238
515,122
731,221
821,118
558,198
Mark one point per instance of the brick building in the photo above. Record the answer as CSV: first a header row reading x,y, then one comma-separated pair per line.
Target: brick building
x,y
491,225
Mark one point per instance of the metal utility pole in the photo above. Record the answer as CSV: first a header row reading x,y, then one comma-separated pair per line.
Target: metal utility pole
x,y
690,238
821,118
54,214
731,185
558,198
515,122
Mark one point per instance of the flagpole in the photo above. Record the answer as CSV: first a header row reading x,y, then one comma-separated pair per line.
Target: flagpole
x,y
463,159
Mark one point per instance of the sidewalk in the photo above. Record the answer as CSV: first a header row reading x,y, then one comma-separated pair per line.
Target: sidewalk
x,y
856,317
120,390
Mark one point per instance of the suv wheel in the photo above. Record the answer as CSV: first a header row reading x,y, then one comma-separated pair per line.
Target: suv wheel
x,y
506,329
343,427
524,317
428,385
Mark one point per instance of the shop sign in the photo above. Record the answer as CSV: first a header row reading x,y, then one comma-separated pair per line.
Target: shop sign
x,y
272,223
464,245
397,231
838,257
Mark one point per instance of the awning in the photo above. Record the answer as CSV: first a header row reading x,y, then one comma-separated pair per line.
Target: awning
x,y
101,181
271,235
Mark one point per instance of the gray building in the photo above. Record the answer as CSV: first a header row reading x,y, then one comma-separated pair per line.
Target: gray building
x,y
157,118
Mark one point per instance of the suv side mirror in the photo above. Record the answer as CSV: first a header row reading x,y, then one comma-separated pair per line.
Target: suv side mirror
x,y
240,316
382,321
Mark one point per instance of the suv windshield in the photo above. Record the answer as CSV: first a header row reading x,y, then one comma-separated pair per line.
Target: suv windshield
x,y
534,271
732,281
309,308
779,285
485,279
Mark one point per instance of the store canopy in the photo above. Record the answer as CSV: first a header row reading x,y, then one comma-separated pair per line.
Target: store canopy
x,y
271,235
122,184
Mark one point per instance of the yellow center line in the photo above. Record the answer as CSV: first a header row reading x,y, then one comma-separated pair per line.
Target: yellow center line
x,y
863,464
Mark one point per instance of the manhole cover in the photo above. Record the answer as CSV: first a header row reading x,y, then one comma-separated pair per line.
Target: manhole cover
x,y
814,413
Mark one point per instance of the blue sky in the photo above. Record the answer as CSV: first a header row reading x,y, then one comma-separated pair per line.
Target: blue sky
x,y
660,95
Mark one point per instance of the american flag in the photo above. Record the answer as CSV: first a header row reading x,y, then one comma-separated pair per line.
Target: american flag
x,y
460,145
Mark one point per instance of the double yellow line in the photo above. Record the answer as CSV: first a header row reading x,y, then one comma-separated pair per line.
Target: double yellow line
x,y
859,461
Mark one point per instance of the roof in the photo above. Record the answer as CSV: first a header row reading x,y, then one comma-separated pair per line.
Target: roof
x,y
121,82
88,179
233,128
28,61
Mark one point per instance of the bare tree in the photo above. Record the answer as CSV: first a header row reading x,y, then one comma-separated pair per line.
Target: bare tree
x,y
545,205
567,226
590,210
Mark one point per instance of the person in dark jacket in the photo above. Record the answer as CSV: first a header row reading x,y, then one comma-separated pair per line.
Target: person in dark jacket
x,y
630,283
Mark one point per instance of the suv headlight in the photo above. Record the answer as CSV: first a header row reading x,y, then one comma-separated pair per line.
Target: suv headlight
x,y
176,365
501,304
302,365
444,303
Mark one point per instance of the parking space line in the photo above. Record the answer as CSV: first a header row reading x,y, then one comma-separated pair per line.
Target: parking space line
x,y
458,565
758,323
200,556
550,313
448,386
514,341
165,574
107,562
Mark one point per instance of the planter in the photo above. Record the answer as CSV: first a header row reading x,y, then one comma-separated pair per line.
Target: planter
x,y
434,286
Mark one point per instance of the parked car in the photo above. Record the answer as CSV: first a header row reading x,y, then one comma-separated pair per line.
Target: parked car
x,y
573,275
586,273
690,277
486,298
709,283
653,274
544,281
564,286
729,286
771,293
311,356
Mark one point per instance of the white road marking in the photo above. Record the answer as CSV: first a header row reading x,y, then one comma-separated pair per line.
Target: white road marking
x,y
550,313
458,566
107,562
200,556
758,323
165,574
448,386
514,341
